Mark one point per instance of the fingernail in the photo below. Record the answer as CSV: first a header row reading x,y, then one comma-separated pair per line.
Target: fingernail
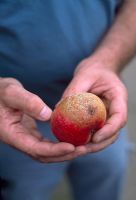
x,y
45,113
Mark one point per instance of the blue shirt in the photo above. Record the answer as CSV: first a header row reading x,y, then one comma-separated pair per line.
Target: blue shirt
x,y
41,42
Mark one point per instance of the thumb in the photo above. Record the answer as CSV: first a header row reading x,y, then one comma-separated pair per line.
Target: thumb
x,y
79,83
18,98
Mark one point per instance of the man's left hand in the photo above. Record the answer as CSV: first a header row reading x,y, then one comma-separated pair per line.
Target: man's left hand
x,y
104,82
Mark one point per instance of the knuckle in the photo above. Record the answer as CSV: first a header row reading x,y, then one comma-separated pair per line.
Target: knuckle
x,y
9,81
13,81
9,86
9,90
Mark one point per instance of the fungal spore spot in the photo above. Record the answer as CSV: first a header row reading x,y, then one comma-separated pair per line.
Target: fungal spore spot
x,y
91,110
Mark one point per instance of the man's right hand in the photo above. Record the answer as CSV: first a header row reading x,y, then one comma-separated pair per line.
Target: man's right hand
x,y
18,109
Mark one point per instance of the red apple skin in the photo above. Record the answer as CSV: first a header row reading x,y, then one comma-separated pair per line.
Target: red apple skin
x,y
71,122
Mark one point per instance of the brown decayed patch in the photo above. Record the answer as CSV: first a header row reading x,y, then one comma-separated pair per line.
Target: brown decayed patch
x,y
84,109
92,110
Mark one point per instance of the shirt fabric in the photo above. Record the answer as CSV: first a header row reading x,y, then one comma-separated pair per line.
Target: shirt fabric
x,y
41,42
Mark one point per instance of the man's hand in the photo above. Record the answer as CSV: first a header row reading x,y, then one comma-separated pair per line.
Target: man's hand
x,y
91,77
97,74
18,109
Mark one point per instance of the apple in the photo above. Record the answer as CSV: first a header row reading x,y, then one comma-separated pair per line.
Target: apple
x,y
76,118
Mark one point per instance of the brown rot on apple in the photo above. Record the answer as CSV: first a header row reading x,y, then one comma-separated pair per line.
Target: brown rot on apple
x,y
76,118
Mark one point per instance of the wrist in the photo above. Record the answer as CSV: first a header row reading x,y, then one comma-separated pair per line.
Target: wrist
x,y
106,60
96,62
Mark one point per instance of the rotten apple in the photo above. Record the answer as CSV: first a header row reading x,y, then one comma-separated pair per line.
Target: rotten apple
x,y
76,118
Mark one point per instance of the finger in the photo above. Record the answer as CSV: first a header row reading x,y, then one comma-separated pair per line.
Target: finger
x,y
20,138
28,122
78,84
79,151
23,140
19,98
92,148
50,149
37,134
118,113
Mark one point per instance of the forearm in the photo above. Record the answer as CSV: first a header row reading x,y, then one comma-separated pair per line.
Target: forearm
x,y
119,44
